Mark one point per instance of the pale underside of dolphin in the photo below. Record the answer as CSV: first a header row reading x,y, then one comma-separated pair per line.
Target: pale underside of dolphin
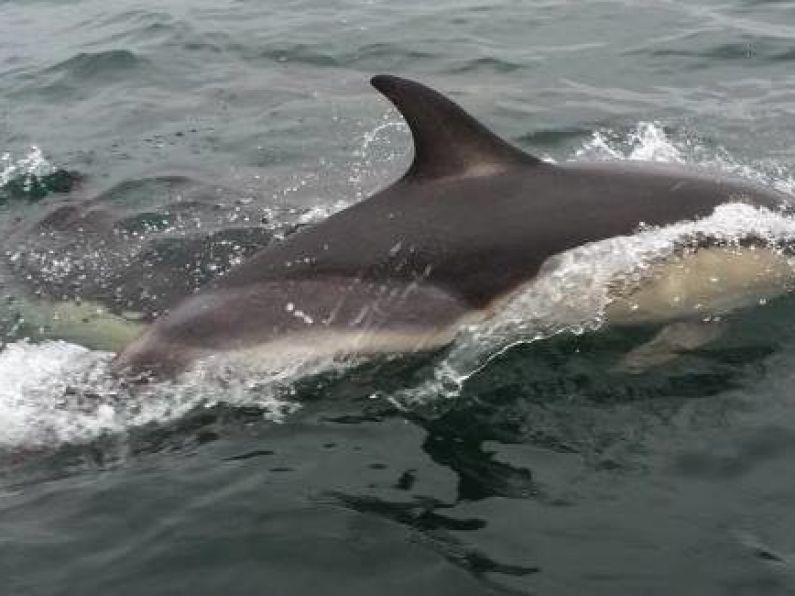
x,y
469,224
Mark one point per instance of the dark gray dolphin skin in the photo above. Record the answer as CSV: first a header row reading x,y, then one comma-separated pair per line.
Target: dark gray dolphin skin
x,y
470,222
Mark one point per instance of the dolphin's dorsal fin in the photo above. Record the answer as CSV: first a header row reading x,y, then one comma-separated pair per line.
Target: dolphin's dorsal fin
x,y
447,140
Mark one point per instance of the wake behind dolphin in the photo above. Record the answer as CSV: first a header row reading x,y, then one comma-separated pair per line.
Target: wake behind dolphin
x,y
472,222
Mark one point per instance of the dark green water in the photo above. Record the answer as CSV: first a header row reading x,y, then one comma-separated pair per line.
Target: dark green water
x,y
173,140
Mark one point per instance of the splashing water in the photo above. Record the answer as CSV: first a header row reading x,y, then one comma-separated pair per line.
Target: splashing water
x,y
32,165
363,160
56,392
374,148
32,376
647,142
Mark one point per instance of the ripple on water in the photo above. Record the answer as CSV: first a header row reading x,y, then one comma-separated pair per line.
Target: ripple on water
x,y
706,51
488,64
98,67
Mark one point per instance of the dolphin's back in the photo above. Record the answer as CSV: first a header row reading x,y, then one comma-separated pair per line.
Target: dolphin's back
x,y
478,238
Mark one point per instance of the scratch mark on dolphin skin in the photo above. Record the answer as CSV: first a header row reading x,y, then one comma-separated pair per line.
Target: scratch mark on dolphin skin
x,y
678,185
250,455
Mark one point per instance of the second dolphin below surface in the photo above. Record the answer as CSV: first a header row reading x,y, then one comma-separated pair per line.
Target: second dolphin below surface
x,y
470,223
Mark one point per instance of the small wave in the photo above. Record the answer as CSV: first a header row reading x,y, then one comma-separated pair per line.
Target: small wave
x,y
707,50
107,66
390,56
488,64
301,53
553,137
135,28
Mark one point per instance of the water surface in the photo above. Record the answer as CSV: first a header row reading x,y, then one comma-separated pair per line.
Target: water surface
x,y
197,132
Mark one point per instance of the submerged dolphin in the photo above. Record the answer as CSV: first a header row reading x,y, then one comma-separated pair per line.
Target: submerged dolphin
x,y
471,221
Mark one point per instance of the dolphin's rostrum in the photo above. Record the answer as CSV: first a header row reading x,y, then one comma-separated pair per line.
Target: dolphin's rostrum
x,y
471,221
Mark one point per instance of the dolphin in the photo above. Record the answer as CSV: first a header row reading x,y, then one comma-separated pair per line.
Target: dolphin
x,y
470,223
95,269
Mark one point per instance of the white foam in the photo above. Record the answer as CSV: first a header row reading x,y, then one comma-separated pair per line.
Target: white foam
x,y
33,163
646,142
35,377
56,392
